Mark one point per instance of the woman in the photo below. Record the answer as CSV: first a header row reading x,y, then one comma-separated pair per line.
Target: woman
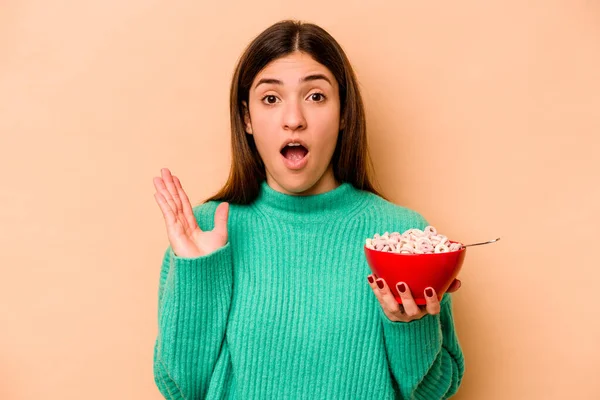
x,y
262,291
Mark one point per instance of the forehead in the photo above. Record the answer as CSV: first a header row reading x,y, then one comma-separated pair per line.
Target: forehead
x,y
291,68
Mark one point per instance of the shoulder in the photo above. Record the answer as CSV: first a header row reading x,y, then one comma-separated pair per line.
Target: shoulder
x,y
384,210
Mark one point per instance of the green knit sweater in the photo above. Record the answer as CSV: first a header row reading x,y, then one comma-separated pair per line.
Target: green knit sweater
x,y
284,310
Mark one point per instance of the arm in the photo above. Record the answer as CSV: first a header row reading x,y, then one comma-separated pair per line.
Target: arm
x,y
424,355
193,305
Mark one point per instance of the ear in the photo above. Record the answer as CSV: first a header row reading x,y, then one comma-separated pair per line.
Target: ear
x,y
342,124
247,122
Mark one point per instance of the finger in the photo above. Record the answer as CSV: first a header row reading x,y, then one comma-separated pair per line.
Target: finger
x,y
221,215
188,212
388,301
410,307
170,185
371,278
454,286
433,304
159,184
372,282
166,211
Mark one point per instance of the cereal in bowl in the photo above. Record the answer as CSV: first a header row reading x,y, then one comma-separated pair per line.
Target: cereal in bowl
x,y
413,241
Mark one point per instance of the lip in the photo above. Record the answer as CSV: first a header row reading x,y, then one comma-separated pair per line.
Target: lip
x,y
292,140
295,165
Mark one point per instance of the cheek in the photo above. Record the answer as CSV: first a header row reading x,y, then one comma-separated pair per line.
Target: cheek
x,y
263,128
330,118
266,144
262,144
264,118
330,131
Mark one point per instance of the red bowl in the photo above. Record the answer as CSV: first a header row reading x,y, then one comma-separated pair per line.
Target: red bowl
x,y
418,271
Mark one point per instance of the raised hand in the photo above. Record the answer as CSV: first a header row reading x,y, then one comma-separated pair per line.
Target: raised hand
x,y
185,236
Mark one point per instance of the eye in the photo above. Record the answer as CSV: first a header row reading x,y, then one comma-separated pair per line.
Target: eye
x,y
317,97
270,99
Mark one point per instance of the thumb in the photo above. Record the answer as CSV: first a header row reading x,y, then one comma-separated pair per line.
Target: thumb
x,y
454,286
221,216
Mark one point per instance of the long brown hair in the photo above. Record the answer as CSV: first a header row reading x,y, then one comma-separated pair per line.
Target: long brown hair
x,y
351,161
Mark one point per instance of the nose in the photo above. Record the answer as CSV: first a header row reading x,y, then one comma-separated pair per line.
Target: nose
x,y
293,117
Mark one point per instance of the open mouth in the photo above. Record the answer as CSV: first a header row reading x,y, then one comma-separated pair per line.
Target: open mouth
x,y
294,152
295,155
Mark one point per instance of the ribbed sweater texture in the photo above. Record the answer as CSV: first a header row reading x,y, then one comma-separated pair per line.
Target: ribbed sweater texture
x,y
284,309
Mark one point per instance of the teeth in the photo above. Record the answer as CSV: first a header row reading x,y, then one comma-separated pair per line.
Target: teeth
x,y
294,144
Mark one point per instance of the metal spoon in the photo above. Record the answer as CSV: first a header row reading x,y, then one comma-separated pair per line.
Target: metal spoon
x,y
477,244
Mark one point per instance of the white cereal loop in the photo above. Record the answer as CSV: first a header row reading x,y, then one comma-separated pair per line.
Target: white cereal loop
x,y
443,239
455,246
408,248
422,241
430,231
412,241
416,232
427,248
441,248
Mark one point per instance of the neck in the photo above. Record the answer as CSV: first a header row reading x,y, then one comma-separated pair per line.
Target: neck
x,y
338,202
326,183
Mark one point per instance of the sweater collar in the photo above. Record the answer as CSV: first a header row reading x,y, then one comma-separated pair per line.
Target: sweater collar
x,y
336,202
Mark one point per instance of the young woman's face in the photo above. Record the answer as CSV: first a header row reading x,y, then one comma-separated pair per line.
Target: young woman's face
x,y
295,99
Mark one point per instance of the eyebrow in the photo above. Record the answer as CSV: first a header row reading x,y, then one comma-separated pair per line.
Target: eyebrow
x,y
308,78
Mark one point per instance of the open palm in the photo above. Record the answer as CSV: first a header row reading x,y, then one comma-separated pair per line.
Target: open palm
x,y
185,236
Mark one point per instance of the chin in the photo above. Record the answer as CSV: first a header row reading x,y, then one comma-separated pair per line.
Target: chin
x,y
296,185
296,189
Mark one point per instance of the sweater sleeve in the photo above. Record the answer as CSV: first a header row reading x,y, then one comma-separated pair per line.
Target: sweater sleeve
x,y
424,355
193,305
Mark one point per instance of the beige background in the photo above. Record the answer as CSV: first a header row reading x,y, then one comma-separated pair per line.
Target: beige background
x,y
484,116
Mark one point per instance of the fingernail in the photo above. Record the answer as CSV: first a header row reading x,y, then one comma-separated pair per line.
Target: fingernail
x,y
370,278
428,292
402,288
380,284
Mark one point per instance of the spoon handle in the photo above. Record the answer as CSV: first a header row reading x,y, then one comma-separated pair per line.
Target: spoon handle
x,y
478,244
